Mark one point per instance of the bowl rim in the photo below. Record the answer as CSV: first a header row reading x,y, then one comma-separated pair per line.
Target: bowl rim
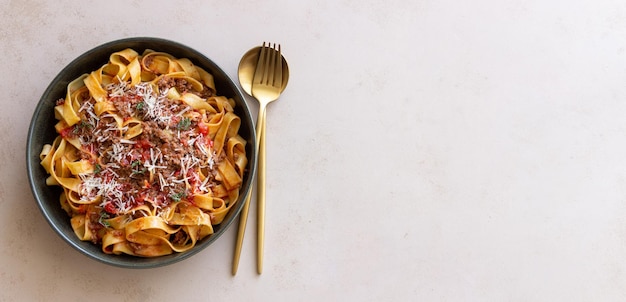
x,y
33,162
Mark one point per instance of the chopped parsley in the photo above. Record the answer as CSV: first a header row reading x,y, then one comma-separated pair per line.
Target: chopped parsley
x,y
101,220
137,168
178,196
97,169
184,124
135,163
80,126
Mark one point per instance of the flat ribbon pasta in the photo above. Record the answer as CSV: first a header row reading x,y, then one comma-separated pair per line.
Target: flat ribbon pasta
x,y
148,156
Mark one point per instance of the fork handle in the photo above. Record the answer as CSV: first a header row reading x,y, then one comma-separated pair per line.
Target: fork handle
x,y
261,190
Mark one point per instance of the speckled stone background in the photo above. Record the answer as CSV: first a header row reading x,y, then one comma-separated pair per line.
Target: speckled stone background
x,y
423,150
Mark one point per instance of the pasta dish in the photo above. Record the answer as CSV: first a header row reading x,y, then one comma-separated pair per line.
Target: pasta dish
x,y
148,155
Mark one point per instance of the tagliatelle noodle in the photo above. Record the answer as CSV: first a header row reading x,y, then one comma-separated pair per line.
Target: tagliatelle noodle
x,y
148,157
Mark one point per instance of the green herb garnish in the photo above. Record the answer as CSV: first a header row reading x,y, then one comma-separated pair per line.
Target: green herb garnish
x,y
136,166
104,215
97,169
184,124
80,126
178,196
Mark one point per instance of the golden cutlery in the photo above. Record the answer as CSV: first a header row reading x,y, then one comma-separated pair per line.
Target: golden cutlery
x,y
263,73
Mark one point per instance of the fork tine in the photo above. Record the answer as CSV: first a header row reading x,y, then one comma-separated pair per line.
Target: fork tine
x,y
268,78
268,63
260,67
278,69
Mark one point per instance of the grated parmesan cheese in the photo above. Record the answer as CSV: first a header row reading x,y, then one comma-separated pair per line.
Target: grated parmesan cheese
x,y
125,159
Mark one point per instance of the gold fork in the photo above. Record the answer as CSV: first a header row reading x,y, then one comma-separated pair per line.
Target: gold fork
x,y
267,84
266,87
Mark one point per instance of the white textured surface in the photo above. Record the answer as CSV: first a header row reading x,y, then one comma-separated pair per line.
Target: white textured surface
x,y
423,150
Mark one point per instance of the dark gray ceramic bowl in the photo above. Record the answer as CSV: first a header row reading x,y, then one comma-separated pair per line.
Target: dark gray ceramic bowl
x,y
42,132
